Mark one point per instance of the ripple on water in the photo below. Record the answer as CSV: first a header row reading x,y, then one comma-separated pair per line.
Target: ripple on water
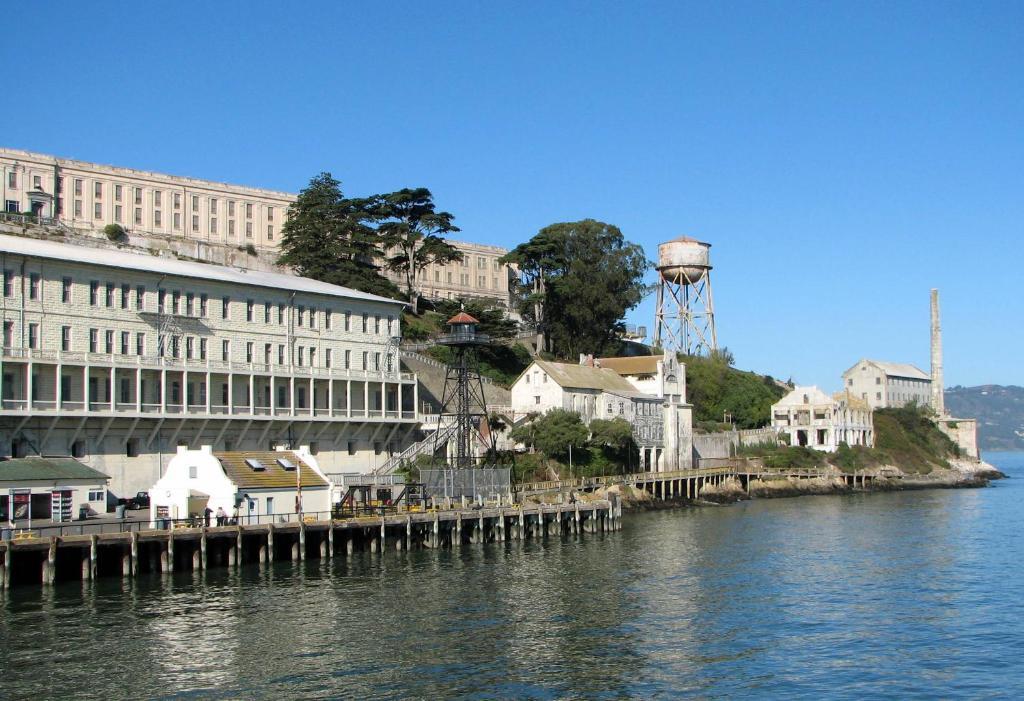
x,y
911,594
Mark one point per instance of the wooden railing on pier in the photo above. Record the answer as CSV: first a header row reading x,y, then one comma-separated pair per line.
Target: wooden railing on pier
x,y
748,468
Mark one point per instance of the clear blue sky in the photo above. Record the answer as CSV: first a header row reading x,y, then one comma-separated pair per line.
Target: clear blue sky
x,y
842,158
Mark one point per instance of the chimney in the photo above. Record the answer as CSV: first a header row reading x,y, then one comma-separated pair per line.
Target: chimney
x,y
938,401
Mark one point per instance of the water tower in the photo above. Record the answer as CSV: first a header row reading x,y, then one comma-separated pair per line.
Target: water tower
x,y
684,320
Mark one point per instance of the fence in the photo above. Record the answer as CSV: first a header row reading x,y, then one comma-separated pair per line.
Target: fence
x,y
473,483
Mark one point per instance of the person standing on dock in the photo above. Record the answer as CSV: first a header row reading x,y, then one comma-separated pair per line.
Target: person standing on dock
x,y
222,516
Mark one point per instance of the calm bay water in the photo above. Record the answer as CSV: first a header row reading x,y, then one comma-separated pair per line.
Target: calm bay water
x,y
916,594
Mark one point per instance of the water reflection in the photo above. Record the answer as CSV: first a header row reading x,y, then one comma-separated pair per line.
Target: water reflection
x,y
880,595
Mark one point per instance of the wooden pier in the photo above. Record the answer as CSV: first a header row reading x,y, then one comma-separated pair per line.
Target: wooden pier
x,y
45,561
689,484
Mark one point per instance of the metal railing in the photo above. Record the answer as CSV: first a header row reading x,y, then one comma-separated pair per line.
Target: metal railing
x,y
201,364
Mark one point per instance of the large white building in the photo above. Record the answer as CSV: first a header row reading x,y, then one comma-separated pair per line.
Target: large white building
x,y
218,217
883,385
808,417
116,359
661,420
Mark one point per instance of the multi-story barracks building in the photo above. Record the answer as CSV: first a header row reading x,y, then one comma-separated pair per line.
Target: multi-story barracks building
x,y
118,358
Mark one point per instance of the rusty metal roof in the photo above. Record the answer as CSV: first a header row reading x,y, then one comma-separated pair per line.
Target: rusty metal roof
x,y
632,365
273,474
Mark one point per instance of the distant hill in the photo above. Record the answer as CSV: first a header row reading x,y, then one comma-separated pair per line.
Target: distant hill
x,y
999,411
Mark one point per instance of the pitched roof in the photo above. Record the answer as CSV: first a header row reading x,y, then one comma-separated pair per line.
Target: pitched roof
x,y
895,369
586,377
273,475
462,318
35,468
632,365
114,258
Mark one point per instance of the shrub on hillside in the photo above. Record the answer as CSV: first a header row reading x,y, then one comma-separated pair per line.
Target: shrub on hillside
x,y
115,233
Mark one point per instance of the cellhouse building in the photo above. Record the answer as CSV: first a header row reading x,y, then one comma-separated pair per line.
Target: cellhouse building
x,y
204,219
116,359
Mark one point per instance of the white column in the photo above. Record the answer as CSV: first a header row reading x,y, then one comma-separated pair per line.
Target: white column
x,y
291,395
252,393
85,388
58,395
330,397
209,391
273,398
348,398
163,390
231,393
28,384
138,390
113,387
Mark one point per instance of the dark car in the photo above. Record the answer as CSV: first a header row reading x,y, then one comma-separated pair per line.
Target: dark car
x,y
139,501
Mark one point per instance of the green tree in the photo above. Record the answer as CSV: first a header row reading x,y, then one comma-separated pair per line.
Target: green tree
x,y
492,316
553,432
715,389
579,280
326,237
614,437
412,233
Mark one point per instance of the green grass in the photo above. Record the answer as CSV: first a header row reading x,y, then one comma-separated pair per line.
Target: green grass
x,y
785,456
909,439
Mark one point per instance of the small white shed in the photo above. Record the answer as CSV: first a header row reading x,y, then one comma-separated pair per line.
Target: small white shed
x,y
257,486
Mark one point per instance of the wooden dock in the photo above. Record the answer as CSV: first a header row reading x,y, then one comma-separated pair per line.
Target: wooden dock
x,y
688,484
45,561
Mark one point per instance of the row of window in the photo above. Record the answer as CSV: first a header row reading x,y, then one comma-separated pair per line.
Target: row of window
x,y
157,199
158,220
174,302
481,280
195,348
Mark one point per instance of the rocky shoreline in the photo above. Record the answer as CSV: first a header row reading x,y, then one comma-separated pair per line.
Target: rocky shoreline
x,y
962,475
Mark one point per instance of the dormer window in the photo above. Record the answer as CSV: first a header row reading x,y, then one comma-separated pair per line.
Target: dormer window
x,y
255,465
286,464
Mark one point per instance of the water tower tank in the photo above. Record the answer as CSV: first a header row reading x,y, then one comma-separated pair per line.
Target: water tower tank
x,y
684,260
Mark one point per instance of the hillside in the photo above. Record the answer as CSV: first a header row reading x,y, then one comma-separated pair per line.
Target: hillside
x,y
998,409
906,438
716,388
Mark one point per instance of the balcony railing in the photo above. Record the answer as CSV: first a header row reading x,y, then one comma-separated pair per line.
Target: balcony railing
x,y
200,365
200,410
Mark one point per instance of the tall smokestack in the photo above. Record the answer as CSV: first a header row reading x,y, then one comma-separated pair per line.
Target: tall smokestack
x,y
938,401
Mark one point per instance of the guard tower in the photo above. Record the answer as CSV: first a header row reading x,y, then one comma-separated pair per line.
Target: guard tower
x,y
463,418
684,320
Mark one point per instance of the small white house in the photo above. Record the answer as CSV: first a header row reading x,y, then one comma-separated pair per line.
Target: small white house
x,y
808,417
252,485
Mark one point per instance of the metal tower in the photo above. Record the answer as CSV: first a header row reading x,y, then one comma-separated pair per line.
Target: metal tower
x,y
684,320
463,418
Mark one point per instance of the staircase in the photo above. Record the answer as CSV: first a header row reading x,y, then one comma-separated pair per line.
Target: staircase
x,y
416,449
